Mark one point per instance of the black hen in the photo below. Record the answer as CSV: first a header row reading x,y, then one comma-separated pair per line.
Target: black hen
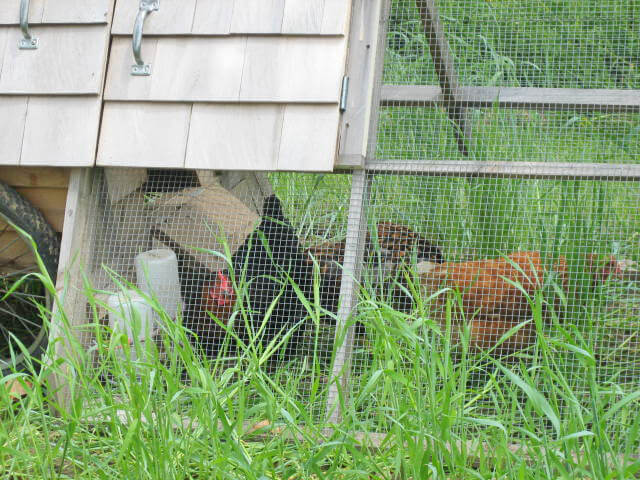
x,y
267,265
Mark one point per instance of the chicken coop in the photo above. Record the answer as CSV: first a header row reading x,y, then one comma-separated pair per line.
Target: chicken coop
x,y
320,181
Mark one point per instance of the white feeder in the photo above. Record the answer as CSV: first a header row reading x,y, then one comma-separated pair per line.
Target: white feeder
x,y
130,314
157,275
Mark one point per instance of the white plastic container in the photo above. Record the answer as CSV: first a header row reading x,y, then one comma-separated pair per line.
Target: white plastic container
x,y
157,276
130,314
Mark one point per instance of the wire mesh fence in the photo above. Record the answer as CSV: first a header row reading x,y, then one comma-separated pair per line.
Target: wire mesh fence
x,y
487,231
493,143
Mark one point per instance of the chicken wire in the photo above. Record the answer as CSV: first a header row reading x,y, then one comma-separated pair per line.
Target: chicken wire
x,y
520,190
240,249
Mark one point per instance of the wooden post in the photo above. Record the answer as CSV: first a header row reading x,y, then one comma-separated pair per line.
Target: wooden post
x,y
353,258
74,258
365,61
445,69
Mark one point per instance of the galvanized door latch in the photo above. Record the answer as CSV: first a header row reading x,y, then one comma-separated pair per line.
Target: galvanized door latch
x,y
344,95
28,42
142,69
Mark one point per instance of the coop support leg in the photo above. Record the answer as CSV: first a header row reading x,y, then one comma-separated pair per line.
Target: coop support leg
x,y
445,69
353,257
69,313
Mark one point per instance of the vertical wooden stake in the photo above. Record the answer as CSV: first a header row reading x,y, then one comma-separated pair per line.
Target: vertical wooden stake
x,y
75,253
445,69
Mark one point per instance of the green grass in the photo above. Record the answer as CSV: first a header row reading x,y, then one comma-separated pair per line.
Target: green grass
x,y
447,413
571,401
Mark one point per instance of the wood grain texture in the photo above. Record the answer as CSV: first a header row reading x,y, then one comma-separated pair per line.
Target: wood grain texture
x,y
75,255
50,177
77,11
257,16
50,201
213,17
513,97
293,69
61,131
303,16
184,69
309,137
235,137
173,17
366,50
57,11
541,170
10,12
143,135
336,16
12,120
238,17
69,60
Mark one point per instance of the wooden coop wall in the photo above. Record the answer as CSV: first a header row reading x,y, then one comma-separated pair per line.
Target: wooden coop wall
x,y
234,85
51,97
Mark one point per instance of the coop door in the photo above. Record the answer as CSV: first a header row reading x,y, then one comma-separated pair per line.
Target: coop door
x,y
244,84
53,55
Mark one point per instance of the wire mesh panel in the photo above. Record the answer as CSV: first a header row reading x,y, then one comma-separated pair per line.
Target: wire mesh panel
x,y
508,141
255,283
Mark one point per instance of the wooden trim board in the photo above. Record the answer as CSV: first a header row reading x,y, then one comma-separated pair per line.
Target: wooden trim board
x,y
619,101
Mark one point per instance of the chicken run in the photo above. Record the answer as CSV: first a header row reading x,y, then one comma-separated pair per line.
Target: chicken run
x,y
261,268
494,217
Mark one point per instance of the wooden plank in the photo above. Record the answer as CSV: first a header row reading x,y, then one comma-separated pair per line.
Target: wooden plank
x,y
77,11
257,16
309,138
173,17
511,97
10,12
121,182
213,17
184,70
144,135
61,131
50,201
445,69
69,313
336,17
364,63
303,16
293,69
353,261
235,137
50,177
542,170
69,60
58,12
4,35
12,120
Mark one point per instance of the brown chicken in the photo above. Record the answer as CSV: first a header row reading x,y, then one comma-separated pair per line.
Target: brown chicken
x,y
491,304
394,246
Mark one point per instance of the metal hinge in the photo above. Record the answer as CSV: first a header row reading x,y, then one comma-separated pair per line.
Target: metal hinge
x,y
344,95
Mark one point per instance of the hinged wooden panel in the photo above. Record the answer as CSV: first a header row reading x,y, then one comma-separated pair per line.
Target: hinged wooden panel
x,y
224,17
51,96
234,84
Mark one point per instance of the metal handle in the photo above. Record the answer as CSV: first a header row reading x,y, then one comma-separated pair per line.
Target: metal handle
x,y
28,42
146,7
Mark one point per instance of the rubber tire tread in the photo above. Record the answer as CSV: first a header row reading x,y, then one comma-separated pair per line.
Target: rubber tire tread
x,y
22,213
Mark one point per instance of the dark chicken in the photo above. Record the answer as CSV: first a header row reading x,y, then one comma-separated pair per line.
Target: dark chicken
x,y
267,265
392,249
